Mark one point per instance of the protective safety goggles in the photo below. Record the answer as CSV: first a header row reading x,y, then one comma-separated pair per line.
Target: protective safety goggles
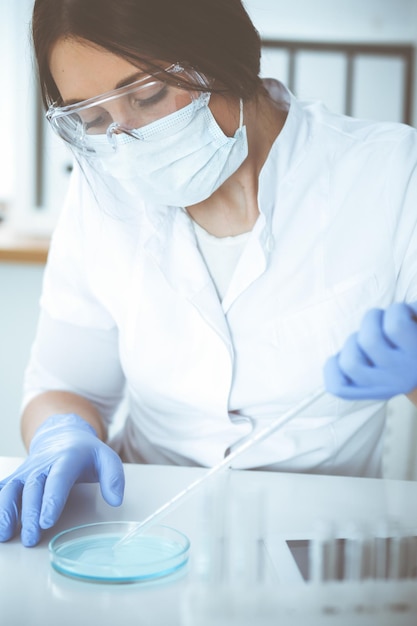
x,y
92,126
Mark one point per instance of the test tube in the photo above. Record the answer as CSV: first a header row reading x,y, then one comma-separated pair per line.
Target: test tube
x,y
391,550
323,553
401,552
245,518
357,553
411,559
381,550
209,560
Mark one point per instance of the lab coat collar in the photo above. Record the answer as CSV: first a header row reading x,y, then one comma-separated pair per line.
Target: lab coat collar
x,y
173,248
289,148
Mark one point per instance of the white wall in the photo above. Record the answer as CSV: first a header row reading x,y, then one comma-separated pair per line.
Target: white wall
x,y
20,286
347,20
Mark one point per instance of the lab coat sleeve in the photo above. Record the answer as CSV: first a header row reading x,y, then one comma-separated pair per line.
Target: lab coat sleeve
x,y
67,293
76,344
73,358
402,196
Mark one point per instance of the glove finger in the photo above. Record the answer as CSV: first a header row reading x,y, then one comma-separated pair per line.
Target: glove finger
x,y
338,384
355,362
111,475
18,475
372,339
334,378
363,373
363,393
350,374
413,307
7,480
58,485
400,325
10,502
31,507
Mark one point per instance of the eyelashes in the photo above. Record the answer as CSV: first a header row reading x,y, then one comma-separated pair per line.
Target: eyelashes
x,y
99,118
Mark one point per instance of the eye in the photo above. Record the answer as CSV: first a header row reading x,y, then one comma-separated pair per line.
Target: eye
x,y
96,121
149,97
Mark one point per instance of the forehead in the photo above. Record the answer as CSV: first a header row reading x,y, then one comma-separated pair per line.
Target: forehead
x,y
82,70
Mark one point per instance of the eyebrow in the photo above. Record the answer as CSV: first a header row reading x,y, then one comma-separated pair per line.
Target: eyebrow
x,y
131,79
122,83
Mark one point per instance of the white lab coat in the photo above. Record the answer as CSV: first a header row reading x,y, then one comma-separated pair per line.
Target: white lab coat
x,y
128,299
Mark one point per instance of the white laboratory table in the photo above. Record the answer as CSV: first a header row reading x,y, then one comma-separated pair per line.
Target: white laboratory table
x,y
33,594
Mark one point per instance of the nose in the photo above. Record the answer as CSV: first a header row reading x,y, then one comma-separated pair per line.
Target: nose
x,y
122,117
117,129
122,121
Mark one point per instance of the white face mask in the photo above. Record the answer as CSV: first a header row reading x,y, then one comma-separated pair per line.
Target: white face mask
x,y
178,167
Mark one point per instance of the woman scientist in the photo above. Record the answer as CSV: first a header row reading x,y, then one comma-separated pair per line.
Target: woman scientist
x,y
221,246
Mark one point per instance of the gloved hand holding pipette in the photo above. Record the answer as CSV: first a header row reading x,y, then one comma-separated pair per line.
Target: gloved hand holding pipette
x,y
65,450
379,361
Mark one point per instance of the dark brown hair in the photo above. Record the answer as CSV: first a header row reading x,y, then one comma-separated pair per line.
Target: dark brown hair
x,y
216,37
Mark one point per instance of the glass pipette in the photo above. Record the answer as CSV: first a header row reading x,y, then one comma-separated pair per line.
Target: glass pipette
x,y
257,436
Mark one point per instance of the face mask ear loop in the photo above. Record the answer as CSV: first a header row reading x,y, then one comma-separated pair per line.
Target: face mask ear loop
x,y
241,114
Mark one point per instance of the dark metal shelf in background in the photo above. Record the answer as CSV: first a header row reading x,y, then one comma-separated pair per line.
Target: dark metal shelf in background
x,y
405,52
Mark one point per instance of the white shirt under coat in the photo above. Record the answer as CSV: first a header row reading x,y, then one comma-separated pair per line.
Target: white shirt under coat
x,y
128,305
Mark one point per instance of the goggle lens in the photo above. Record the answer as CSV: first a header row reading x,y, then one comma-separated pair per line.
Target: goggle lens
x,y
85,125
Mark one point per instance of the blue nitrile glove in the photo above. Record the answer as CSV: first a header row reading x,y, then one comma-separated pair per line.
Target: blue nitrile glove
x,y
380,360
64,450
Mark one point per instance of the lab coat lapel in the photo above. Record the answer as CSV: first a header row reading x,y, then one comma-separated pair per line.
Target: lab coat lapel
x,y
174,248
251,265
286,153
254,259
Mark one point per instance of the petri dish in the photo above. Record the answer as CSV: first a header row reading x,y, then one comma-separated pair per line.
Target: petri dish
x,y
86,553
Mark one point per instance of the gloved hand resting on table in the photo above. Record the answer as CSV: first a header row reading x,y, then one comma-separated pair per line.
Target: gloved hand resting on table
x,y
380,360
64,450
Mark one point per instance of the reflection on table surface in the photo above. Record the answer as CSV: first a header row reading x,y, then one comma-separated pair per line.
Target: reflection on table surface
x,y
33,593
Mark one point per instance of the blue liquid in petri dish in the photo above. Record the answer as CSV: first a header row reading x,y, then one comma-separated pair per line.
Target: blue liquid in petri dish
x,y
88,553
